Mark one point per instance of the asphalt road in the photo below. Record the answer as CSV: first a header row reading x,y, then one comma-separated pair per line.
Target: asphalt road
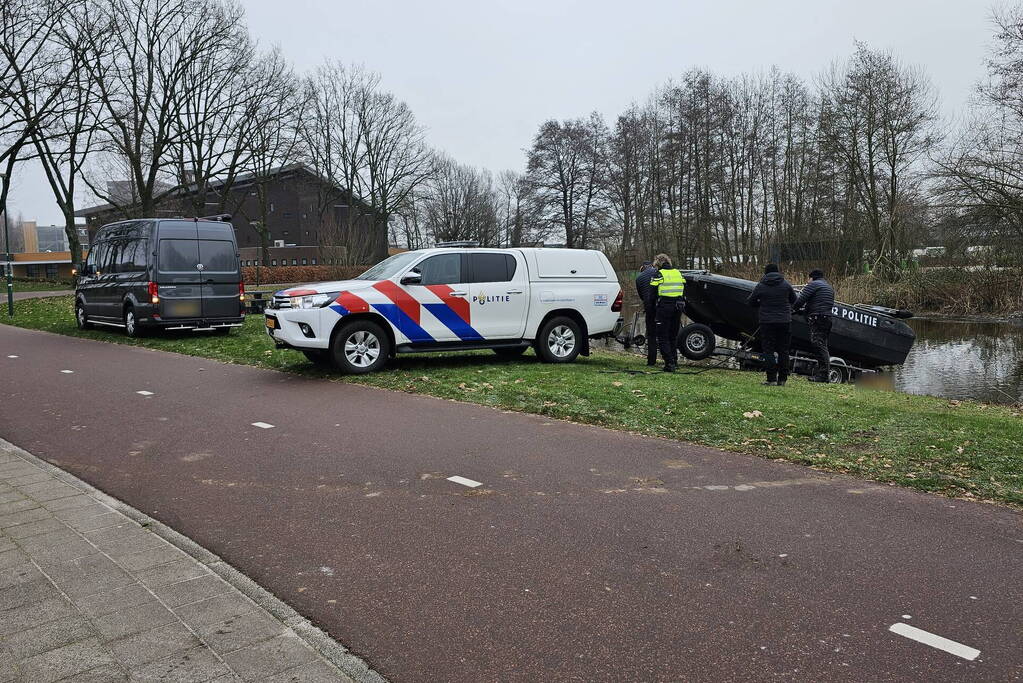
x,y
586,554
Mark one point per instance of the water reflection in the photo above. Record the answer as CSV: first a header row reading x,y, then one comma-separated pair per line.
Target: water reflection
x,y
981,361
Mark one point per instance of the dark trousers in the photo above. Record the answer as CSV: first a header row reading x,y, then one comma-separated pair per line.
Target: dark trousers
x,y
668,319
820,329
651,335
775,339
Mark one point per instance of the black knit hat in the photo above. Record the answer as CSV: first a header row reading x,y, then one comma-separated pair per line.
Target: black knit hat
x,y
771,268
816,273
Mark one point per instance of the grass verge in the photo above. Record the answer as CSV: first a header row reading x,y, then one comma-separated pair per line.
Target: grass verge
x,y
41,286
955,448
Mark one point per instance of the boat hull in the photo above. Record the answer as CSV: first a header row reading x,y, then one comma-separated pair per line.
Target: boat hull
x,y
858,335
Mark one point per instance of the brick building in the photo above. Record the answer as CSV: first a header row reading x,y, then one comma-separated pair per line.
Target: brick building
x,y
306,218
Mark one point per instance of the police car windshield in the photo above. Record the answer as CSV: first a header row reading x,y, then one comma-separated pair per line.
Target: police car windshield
x,y
390,266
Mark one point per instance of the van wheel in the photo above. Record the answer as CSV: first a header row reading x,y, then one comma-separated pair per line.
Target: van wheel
x,y
360,347
559,341
321,357
696,341
81,319
131,325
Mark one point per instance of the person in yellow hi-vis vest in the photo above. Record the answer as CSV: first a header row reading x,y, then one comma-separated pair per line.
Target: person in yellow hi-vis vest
x,y
671,287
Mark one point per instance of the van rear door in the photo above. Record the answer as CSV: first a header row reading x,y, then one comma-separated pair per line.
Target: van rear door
x,y
218,262
179,278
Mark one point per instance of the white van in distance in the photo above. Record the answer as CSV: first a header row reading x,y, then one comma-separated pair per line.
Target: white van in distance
x,y
452,299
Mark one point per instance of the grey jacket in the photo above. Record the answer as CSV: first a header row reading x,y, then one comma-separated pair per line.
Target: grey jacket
x,y
817,298
773,296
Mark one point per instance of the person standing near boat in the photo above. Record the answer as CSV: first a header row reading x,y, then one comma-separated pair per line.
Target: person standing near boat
x,y
817,299
773,298
670,286
648,297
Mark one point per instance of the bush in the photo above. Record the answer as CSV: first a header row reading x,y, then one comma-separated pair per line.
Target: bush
x,y
270,275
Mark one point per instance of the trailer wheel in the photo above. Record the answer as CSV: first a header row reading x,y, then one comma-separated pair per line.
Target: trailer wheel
x,y
838,374
696,341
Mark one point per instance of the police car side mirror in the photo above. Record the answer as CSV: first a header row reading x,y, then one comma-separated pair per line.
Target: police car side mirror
x,y
413,277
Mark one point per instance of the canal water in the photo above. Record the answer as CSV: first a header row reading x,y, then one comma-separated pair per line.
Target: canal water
x,y
964,360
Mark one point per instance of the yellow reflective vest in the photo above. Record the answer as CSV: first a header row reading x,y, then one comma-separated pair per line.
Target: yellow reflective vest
x,y
669,282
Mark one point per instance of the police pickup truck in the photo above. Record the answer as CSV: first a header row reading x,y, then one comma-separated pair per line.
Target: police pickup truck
x,y
452,299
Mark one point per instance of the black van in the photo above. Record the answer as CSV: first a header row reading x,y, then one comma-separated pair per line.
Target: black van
x,y
172,274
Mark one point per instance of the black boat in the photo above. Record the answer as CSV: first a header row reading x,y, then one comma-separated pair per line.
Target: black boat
x,y
867,336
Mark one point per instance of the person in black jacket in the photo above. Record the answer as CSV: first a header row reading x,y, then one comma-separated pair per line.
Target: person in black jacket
x,y
648,297
773,298
817,299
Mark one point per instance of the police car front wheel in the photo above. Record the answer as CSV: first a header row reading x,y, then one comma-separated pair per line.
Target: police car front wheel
x,y
360,347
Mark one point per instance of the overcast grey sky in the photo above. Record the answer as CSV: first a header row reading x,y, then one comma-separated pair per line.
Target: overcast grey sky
x,y
481,75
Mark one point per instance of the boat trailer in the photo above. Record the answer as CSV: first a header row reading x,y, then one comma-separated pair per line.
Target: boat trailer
x,y
694,342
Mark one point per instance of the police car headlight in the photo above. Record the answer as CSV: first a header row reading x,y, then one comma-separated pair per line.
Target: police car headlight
x,y
314,300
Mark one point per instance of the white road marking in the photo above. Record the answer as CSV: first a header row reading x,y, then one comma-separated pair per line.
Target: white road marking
x,y
465,482
12,356
262,425
144,393
935,641
68,372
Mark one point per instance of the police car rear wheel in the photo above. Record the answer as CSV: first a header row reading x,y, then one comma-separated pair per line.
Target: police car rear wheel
x,y
558,341
696,341
360,347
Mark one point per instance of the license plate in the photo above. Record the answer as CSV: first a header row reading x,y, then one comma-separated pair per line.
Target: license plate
x,y
271,323
182,309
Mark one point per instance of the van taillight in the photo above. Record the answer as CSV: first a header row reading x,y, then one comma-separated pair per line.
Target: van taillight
x,y
617,305
241,291
154,293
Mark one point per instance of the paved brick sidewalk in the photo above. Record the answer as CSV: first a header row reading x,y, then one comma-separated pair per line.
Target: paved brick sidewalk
x,y
88,594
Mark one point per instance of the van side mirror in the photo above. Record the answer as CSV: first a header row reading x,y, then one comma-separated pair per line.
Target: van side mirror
x,y
413,277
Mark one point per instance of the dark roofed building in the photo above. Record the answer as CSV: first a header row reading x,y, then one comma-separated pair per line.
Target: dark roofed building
x,y
306,218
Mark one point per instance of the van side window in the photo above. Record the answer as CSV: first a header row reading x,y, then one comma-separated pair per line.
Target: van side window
x,y
442,269
102,258
131,255
491,267
141,259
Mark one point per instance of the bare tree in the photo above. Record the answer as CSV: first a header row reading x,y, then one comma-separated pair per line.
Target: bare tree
x,y
142,59
29,77
567,164
460,203
333,135
397,161
221,93
520,210
270,138
66,140
979,177
880,118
